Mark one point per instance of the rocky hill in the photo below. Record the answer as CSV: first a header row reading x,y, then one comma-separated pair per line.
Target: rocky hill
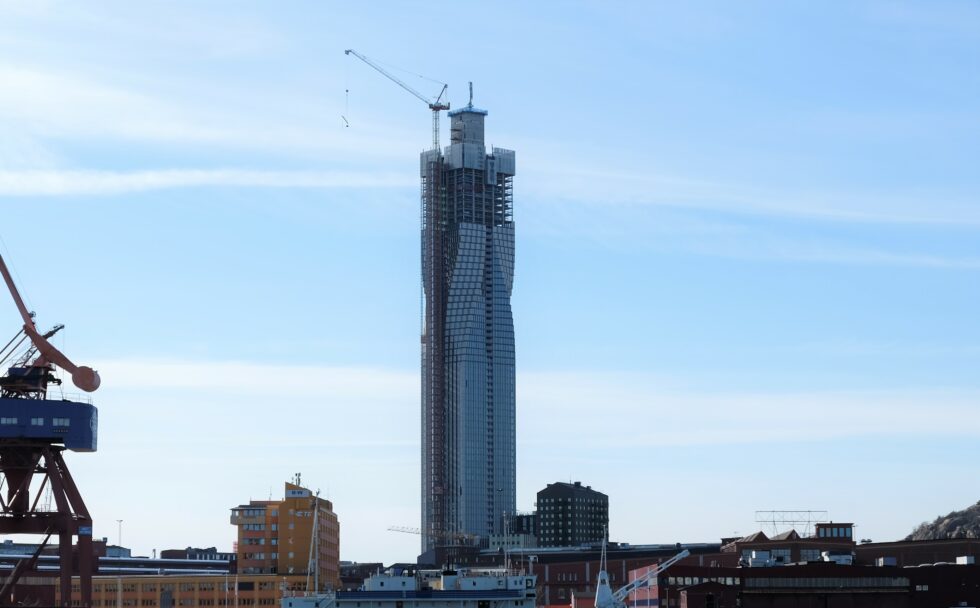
x,y
958,524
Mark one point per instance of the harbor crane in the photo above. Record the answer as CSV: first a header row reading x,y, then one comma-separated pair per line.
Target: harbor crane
x,y
436,104
35,431
605,597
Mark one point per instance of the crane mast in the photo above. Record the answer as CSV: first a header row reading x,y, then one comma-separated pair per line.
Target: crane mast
x,y
436,105
605,597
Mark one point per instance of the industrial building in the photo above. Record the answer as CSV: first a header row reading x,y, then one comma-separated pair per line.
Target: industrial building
x,y
468,368
276,536
198,590
570,514
815,584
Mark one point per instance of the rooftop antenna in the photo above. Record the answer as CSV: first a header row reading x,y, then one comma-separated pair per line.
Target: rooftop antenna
x,y
471,94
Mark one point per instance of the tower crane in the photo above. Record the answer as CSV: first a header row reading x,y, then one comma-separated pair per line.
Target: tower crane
x,y
436,104
453,536
605,597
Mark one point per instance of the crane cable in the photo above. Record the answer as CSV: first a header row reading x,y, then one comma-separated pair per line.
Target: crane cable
x,y
400,69
15,274
346,94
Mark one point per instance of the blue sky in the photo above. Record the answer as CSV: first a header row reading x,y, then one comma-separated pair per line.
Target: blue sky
x,y
747,252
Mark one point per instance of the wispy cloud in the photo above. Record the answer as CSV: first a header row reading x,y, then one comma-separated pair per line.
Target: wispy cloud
x,y
604,187
945,18
760,246
56,183
40,103
259,379
561,408
590,408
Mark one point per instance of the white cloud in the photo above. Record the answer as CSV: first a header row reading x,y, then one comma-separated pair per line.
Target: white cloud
x,y
44,104
256,378
608,410
763,246
59,182
598,186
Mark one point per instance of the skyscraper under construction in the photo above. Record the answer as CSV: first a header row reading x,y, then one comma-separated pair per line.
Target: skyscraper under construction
x,y
468,372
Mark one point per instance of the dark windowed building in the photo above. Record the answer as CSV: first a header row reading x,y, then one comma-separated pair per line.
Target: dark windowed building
x,y
570,514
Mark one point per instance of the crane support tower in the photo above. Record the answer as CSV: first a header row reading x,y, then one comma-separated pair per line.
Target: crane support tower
x,y
605,597
35,430
436,104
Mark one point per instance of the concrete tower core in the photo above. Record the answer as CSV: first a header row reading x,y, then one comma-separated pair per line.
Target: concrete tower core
x,y
468,371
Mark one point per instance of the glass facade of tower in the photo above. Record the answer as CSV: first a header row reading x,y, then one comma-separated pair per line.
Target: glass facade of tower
x,y
468,368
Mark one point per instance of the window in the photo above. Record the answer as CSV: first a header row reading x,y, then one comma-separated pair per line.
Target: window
x,y
810,555
8,421
37,421
781,556
61,421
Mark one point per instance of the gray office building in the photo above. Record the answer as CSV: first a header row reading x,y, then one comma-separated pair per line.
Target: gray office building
x,y
468,393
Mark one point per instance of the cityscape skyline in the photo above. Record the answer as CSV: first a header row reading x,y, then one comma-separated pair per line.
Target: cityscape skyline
x,y
748,253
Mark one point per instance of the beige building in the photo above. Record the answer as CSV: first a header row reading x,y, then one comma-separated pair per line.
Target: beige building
x,y
276,536
192,591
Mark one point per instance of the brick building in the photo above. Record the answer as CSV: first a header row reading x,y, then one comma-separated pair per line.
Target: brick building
x,y
570,514
815,584
915,553
790,547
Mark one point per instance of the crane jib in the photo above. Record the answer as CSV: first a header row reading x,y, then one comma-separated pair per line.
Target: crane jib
x,y
435,104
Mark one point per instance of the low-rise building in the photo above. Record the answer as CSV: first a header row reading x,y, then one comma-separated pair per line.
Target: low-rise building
x,y
810,584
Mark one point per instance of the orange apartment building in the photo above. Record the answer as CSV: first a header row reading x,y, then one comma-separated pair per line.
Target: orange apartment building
x,y
276,537
273,553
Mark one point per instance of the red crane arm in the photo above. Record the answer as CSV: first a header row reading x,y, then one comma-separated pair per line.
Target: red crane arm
x,y
83,377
